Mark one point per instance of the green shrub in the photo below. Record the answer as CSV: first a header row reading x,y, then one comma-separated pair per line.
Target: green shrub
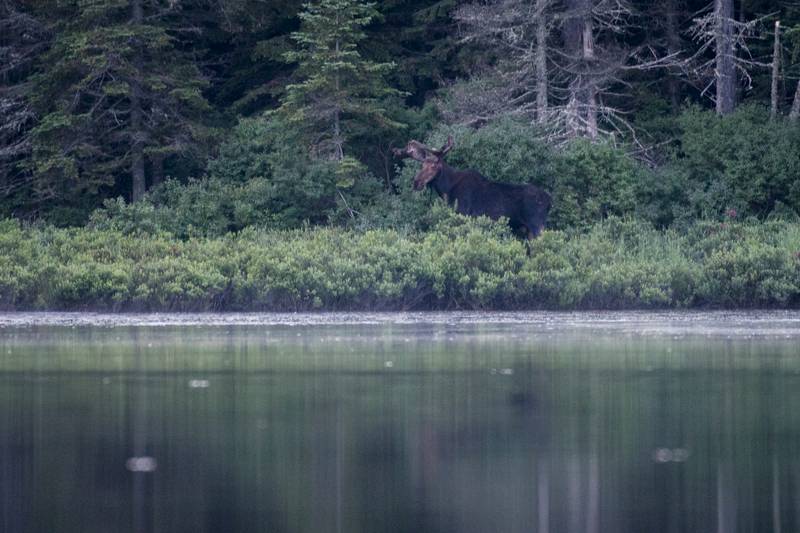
x,y
593,181
461,263
743,162
263,177
17,256
506,150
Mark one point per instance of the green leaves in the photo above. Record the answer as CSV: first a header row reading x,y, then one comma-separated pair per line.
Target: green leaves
x,y
594,181
465,263
743,162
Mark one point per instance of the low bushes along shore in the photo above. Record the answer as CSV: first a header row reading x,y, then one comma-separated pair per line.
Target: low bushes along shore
x,y
459,264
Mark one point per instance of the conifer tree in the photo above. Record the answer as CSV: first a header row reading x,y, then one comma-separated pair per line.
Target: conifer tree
x,y
23,38
338,89
119,95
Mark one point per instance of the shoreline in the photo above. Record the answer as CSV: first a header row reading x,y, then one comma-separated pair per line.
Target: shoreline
x,y
736,323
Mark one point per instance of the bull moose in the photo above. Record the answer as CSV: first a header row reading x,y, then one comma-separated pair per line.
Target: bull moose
x,y
525,206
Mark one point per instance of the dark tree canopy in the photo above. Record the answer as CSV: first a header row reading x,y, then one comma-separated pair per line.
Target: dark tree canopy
x,y
108,98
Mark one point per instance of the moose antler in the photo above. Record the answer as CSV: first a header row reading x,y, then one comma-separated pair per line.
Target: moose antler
x,y
419,152
444,149
414,149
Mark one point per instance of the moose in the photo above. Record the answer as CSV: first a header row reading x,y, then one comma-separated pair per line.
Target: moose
x,y
525,206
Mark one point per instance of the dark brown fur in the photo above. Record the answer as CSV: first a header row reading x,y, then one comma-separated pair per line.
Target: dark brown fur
x,y
525,206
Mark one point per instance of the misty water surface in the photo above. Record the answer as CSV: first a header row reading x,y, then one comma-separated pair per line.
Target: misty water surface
x,y
400,423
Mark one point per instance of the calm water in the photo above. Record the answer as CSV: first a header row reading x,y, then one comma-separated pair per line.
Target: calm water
x,y
400,423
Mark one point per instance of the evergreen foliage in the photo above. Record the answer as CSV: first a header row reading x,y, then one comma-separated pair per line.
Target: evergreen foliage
x,y
284,114
118,92
338,88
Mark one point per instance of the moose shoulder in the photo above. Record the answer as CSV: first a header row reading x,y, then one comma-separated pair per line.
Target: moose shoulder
x,y
525,206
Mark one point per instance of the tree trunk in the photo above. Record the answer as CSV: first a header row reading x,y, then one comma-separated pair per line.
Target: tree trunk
x,y
541,61
776,68
590,103
137,140
726,70
573,27
337,132
137,163
795,112
573,33
673,47
156,170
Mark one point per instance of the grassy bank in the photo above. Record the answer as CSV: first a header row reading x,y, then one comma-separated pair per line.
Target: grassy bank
x,y
459,264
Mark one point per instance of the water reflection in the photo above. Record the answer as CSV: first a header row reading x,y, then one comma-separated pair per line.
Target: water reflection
x,y
140,464
468,430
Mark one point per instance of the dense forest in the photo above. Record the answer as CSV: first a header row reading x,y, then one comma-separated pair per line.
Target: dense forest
x,y
286,111
208,119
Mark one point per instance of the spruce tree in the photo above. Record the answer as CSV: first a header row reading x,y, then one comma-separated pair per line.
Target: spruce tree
x,y
23,38
338,89
118,96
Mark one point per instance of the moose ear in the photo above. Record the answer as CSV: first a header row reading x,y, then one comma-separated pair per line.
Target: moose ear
x,y
447,146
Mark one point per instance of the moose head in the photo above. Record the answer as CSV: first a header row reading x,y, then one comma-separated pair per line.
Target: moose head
x,y
432,160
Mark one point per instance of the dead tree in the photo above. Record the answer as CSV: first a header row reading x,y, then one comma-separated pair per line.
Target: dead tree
x,y
673,49
776,68
519,30
561,63
540,53
725,70
579,44
795,112
595,62
722,50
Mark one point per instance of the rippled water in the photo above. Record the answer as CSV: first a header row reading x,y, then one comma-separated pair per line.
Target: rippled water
x,y
590,422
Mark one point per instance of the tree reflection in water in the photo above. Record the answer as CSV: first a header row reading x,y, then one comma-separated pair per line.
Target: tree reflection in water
x,y
472,428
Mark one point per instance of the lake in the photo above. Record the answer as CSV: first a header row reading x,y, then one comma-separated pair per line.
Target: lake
x,y
429,422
